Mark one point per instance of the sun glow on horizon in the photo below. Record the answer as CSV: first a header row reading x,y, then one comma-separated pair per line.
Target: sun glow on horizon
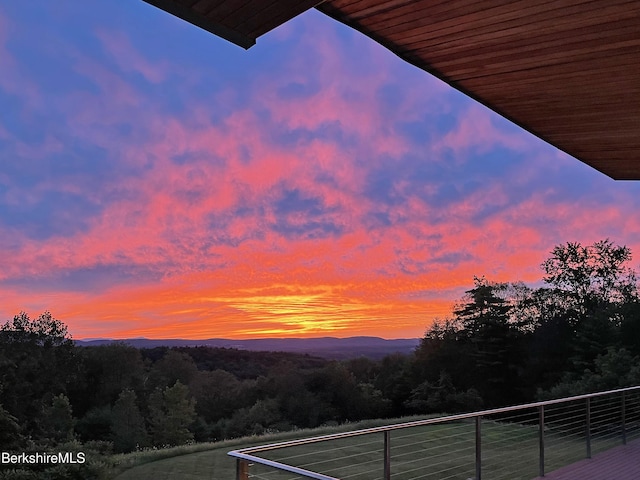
x,y
259,312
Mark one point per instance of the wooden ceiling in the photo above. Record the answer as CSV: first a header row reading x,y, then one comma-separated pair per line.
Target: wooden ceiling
x,y
567,71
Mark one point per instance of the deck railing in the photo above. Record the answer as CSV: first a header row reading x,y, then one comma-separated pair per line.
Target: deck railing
x,y
522,441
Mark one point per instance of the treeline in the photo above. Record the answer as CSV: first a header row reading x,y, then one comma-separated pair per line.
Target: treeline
x,y
54,392
505,343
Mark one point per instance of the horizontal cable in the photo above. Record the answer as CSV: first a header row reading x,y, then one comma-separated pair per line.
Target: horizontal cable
x,y
365,472
452,426
427,450
334,449
454,475
427,446
333,460
438,472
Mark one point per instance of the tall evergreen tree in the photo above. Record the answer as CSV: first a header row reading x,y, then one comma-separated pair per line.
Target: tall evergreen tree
x,y
127,424
486,325
171,412
57,420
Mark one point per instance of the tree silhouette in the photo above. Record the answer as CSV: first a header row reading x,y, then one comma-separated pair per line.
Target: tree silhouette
x,y
127,424
171,412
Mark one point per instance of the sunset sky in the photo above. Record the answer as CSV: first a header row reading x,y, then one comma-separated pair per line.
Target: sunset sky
x,y
157,181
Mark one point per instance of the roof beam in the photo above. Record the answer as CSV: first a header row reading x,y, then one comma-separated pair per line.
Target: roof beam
x,y
239,21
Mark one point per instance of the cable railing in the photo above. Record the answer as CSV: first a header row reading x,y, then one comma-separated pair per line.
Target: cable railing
x,y
517,442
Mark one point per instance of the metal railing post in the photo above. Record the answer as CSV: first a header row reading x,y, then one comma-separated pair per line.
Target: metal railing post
x,y
541,437
242,469
387,455
478,448
623,414
588,428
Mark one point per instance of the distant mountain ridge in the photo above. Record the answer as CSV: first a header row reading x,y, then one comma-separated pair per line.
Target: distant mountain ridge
x,y
326,347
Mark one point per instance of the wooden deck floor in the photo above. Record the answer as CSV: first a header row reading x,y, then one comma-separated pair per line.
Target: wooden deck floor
x,y
619,463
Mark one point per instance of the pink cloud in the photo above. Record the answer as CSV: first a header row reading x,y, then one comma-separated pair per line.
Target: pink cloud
x,y
124,54
476,130
13,80
344,97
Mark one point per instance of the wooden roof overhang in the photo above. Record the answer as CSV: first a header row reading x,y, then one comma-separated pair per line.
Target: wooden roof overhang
x,y
567,71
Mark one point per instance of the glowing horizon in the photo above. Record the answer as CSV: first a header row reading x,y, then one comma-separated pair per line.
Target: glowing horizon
x,y
158,181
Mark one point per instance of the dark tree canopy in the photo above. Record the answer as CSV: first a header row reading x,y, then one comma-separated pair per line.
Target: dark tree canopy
x,y
508,340
593,273
37,359
44,330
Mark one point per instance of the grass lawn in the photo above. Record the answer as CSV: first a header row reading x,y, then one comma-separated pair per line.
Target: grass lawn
x,y
442,451
210,460
208,464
